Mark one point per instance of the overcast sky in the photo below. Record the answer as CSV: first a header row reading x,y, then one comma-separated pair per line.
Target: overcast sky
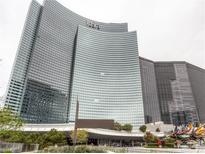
x,y
166,29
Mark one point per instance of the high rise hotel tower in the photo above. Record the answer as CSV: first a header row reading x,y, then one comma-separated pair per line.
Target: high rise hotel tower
x,y
62,56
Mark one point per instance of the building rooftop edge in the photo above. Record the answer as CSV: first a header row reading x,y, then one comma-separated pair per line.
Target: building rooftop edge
x,y
182,62
104,32
125,23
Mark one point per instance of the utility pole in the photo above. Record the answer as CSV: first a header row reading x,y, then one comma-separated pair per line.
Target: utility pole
x,y
66,101
76,121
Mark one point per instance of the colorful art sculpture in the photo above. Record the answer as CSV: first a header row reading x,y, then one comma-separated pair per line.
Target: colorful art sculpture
x,y
189,133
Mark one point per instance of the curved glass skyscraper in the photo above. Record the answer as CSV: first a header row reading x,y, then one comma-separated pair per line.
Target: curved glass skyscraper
x,y
63,55
106,77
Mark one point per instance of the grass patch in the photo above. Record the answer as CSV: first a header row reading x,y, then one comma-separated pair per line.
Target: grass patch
x,y
81,149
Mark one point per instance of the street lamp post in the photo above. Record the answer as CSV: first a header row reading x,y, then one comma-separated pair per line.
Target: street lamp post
x,y
76,120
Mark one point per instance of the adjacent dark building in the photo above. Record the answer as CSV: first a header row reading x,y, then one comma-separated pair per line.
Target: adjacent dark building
x,y
197,80
172,92
177,91
164,74
149,88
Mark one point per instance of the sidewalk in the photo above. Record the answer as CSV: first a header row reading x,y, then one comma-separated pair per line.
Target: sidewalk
x,y
164,150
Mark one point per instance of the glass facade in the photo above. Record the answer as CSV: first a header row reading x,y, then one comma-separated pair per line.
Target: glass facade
x,y
42,78
51,63
177,102
149,88
164,75
183,99
107,77
16,87
197,80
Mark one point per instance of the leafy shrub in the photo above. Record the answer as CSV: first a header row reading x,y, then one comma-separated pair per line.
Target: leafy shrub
x,y
52,149
119,150
43,139
89,149
74,149
82,149
9,121
82,136
157,130
151,145
150,138
55,137
35,138
117,126
169,140
143,128
7,151
97,150
51,138
68,149
127,127
169,145
12,136
115,150
154,145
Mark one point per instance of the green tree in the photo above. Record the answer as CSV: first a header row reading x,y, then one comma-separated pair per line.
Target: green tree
x,y
9,126
82,136
117,126
55,137
143,128
8,120
150,138
127,127
12,136
157,130
34,138
43,139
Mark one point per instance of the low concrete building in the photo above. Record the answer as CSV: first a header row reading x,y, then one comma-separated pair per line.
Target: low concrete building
x,y
97,136
162,127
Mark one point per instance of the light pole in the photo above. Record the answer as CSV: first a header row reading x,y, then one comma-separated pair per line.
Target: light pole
x,y
76,121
